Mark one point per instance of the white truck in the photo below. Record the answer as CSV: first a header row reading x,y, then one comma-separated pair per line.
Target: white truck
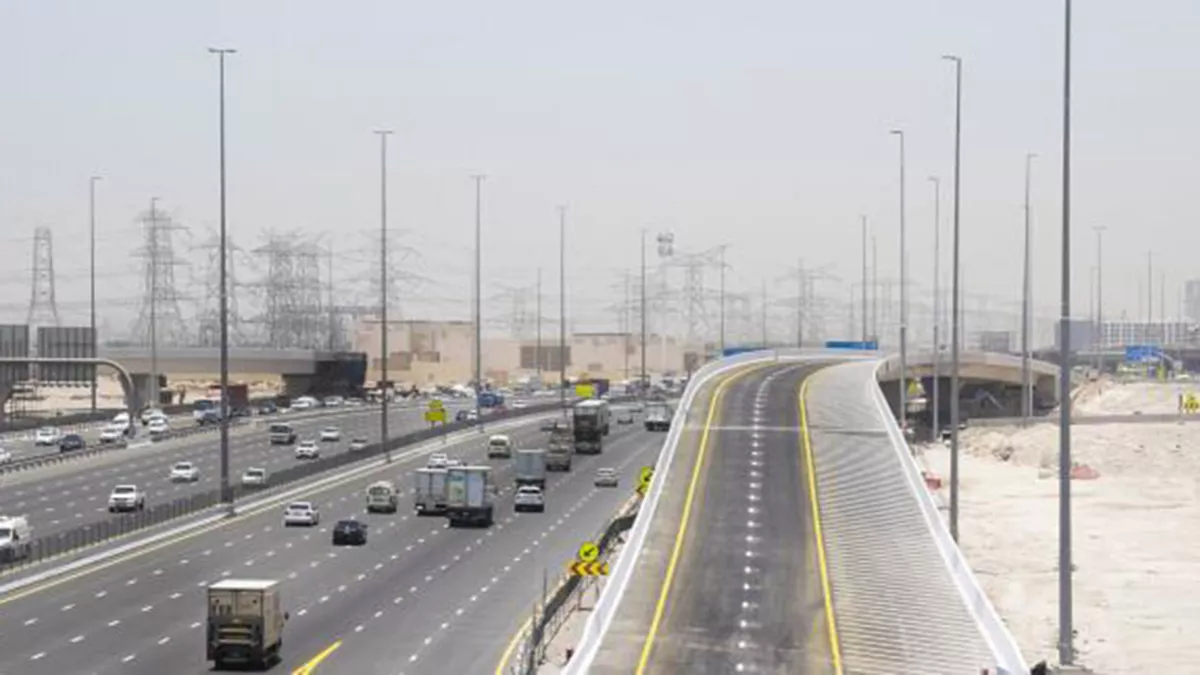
x,y
531,467
16,539
469,495
282,433
430,491
559,450
245,623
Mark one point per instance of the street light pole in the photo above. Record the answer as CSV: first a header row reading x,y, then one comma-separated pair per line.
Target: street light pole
x,y
903,298
722,295
866,328
1098,339
644,384
226,490
538,348
562,309
954,329
383,293
478,178
92,241
1026,302
1066,648
154,391
937,316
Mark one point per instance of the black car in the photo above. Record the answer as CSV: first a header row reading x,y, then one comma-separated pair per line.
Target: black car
x,y
268,408
349,533
71,442
461,416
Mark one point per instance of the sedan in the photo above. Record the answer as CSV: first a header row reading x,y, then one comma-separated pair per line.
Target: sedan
x,y
184,472
71,442
349,532
606,478
625,417
301,513
47,436
158,427
332,434
112,433
529,498
358,444
5,456
254,477
308,450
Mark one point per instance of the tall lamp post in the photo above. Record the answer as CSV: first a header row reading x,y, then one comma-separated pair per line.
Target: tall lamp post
x,y
955,324
226,490
1066,648
383,293
644,385
903,297
562,309
1026,301
937,305
478,178
92,243
866,326
154,389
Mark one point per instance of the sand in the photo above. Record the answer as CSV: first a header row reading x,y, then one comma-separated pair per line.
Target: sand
x,y
109,394
1137,596
1109,397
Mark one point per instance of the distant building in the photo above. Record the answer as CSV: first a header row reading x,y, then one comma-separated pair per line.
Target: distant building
x,y
999,341
1115,334
1083,335
1191,300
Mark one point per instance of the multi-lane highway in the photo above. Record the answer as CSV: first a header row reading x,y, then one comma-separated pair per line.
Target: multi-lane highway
x,y
418,598
74,493
730,577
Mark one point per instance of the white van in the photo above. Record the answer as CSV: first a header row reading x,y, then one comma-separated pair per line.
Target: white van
x,y
381,496
16,539
499,446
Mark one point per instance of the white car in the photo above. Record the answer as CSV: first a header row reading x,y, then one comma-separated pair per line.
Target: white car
x,y
358,444
126,498
184,472
519,405
121,419
308,450
158,426
331,434
454,461
606,478
529,498
334,401
150,413
112,433
5,456
301,513
255,477
47,436
438,460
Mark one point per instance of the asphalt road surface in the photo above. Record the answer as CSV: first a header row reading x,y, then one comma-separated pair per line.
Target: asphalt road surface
x,y
418,598
729,580
60,497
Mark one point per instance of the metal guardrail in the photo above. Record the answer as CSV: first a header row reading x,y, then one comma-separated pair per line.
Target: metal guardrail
x,y
43,548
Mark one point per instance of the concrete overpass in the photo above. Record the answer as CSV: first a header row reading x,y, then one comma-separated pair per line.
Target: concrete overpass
x,y
989,384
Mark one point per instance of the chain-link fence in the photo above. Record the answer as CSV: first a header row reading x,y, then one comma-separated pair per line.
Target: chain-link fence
x,y
20,554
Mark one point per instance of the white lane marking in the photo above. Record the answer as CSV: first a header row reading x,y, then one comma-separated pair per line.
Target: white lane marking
x,y
165,640
76,640
114,622
129,658
37,656
67,608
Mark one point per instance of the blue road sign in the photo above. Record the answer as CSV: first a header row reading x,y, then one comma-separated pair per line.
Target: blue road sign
x,y
1143,354
869,345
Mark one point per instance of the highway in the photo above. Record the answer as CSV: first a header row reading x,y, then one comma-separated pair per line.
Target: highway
x,y
419,598
730,578
74,493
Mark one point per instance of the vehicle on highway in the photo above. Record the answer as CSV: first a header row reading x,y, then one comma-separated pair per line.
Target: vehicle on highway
x,y
71,443
268,408
519,405
430,491
301,513
438,460
606,477
149,414
254,477
308,450
158,427
549,425
358,444
126,498
47,436
625,417
121,420
113,433
184,472
559,449
206,411
382,497
349,532
590,420
529,498
499,446
305,403
530,467
658,417
469,495
15,538
281,433
454,461
334,401
5,456
331,434
245,623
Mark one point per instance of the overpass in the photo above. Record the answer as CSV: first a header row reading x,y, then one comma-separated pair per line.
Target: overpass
x,y
989,383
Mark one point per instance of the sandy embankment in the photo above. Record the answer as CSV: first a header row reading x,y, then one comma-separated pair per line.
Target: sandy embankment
x,y
1137,596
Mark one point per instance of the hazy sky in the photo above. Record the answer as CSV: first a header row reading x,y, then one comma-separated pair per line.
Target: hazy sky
x,y
763,125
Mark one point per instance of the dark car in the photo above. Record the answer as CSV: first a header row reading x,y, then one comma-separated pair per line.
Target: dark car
x,y
349,533
71,442
268,408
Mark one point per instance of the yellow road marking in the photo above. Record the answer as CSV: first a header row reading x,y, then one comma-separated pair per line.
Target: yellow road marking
x,y
697,470
309,667
834,648
512,646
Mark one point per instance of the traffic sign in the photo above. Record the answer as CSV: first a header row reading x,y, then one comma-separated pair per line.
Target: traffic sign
x,y
644,478
585,391
588,552
588,569
435,416
436,404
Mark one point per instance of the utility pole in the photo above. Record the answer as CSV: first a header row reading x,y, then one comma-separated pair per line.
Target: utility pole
x,y
764,313
866,330
478,178
538,349
562,309
625,326
383,294
92,241
799,304
903,298
1149,290
154,390
226,488
1066,638
955,338
1026,303
722,312
1099,339
937,316
645,381
874,289
332,312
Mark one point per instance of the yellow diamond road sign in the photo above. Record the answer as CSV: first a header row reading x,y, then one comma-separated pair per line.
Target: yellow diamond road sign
x,y
644,478
588,552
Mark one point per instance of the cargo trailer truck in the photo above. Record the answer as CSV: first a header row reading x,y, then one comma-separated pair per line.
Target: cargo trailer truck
x,y
531,467
245,623
430,491
469,495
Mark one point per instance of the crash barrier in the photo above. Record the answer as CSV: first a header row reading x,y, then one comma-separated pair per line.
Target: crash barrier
x,y
77,538
554,610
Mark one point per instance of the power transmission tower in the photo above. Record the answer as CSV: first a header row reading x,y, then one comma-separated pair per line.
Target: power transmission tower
x,y
159,310
43,307
209,328
293,317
